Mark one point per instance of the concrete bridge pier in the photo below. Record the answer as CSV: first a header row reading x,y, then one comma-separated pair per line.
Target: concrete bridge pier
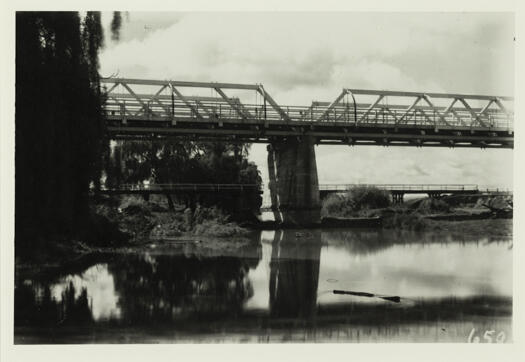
x,y
294,186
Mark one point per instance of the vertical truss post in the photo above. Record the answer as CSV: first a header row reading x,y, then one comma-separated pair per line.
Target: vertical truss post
x,y
173,121
275,106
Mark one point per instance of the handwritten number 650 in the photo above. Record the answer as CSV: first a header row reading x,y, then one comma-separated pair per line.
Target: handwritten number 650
x,y
488,337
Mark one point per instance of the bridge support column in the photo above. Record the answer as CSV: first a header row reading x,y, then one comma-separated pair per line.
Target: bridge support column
x,y
170,202
397,197
294,187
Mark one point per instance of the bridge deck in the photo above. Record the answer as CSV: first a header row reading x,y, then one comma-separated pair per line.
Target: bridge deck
x,y
147,108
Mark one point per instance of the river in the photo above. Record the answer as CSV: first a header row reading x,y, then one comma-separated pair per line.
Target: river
x,y
279,288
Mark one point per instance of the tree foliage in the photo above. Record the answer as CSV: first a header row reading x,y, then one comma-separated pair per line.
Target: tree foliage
x,y
175,161
58,116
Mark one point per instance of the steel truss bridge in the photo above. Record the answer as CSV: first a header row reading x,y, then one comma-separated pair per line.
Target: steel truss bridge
x,y
146,109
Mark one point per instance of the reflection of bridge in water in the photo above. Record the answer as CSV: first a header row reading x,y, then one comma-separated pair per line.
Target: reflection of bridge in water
x,y
153,109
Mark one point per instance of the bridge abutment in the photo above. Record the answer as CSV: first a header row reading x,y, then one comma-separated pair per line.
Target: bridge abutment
x,y
294,186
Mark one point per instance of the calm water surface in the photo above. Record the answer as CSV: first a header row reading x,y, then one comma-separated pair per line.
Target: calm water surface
x,y
279,288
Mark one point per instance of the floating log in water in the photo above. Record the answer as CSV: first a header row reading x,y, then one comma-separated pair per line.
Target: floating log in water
x,y
394,299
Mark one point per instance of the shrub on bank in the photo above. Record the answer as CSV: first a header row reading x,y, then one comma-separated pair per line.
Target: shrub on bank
x,y
217,229
432,206
355,200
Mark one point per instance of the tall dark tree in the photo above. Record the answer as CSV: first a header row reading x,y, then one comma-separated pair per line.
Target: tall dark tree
x,y
116,24
59,126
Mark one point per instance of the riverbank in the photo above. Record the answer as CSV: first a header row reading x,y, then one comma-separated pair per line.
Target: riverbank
x,y
133,225
371,207
73,255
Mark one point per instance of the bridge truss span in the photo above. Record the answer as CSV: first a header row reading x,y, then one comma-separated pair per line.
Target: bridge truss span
x,y
137,108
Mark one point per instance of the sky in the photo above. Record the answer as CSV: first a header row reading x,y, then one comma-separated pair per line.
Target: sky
x,y
301,57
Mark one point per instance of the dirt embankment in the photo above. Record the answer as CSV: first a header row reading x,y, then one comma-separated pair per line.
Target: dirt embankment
x,y
143,221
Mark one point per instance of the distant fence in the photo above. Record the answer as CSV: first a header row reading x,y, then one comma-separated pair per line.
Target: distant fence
x,y
181,187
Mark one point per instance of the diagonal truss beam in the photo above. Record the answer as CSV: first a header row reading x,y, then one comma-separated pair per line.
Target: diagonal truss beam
x,y
409,109
436,110
372,106
472,113
237,107
113,87
144,105
156,99
332,105
482,112
186,102
274,104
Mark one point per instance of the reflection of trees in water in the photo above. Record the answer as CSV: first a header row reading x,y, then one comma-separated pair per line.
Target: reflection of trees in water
x,y
164,287
149,288
369,241
294,274
35,306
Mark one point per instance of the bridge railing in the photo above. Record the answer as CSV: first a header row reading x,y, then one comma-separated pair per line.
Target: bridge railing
x,y
182,187
381,115
403,187
496,191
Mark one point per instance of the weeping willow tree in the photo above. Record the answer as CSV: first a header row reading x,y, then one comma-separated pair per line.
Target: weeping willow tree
x,y
58,116
174,161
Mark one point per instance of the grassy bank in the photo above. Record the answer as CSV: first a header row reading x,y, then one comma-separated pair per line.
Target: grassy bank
x,y
144,220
